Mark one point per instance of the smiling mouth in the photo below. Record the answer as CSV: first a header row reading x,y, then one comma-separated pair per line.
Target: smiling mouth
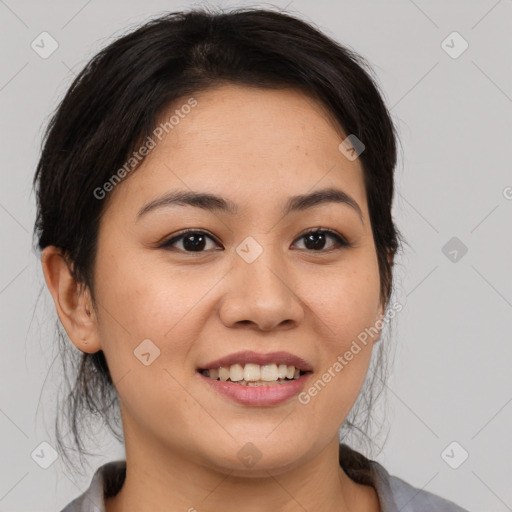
x,y
254,375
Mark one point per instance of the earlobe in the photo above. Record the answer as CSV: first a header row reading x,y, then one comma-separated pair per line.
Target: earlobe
x,y
391,258
379,322
73,304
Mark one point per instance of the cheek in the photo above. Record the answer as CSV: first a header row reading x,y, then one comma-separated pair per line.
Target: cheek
x,y
346,311
148,299
345,301
140,304
140,301
345,306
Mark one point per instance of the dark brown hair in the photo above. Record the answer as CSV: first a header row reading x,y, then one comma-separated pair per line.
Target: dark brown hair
x,y
116,101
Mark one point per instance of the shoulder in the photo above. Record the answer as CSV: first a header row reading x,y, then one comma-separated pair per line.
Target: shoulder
x,y
395,494
106,481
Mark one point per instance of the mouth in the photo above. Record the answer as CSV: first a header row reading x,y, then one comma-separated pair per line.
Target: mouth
x,y
256,379
253,375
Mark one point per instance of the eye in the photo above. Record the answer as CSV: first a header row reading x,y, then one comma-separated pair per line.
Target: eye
x,y
190,241
197,241
316,239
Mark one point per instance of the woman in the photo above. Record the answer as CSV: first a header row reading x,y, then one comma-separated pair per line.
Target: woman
x,y
214,215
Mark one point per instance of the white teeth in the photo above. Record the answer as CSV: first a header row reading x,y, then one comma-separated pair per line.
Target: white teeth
x,y
236,372
282,371
223,373
269,372
252,374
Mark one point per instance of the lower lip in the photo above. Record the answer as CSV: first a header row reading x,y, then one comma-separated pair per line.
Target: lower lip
x,y
258,395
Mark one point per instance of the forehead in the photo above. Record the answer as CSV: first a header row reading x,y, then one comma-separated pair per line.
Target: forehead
x,y
249,144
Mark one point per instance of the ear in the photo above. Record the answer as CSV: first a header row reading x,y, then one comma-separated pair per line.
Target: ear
x,y
381,309
379,322
73,305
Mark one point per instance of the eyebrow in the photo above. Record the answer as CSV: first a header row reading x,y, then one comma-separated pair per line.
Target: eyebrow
x,y
212,202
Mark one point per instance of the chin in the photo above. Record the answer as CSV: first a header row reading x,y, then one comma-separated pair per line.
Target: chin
x,y
258,455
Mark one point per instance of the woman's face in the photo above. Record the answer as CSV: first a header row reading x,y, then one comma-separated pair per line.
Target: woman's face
x,y
250,281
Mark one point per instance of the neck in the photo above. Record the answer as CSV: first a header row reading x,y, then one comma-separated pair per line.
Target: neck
x,y
159,481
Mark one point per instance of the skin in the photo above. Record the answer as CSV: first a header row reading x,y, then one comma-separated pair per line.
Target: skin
x,y
255,147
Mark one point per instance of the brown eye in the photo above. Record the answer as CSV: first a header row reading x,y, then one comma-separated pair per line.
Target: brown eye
x,y
316,240
191,241
197,241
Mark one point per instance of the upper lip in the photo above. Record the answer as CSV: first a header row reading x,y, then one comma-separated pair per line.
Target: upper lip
x,y
248,356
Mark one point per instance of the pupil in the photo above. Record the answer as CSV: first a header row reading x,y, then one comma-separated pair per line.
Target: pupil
x,y
315,238
189,244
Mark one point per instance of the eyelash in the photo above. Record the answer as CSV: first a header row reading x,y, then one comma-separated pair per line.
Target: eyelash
x,y
341,242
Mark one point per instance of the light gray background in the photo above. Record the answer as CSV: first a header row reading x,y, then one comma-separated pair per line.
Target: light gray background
x,y
452,378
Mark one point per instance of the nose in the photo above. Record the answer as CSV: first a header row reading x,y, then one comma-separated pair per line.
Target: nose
x,y
260,294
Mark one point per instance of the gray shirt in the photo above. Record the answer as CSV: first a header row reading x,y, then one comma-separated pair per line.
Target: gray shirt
x,y
395,495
